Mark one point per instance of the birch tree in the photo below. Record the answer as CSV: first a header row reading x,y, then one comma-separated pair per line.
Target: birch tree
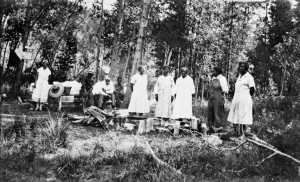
x,y
139,46
118,31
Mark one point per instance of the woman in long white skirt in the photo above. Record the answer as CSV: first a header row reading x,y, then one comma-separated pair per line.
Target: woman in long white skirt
x,y
139,103
241,107
40,93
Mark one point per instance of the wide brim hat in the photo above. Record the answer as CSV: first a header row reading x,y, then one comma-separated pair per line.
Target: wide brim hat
x,y
56,90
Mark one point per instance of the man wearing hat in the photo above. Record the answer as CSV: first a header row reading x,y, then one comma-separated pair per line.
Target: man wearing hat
x,y
106,92
86,89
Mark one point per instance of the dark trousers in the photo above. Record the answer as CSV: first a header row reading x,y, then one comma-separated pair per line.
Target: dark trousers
x,y
119,98
215,114
88,99
104,98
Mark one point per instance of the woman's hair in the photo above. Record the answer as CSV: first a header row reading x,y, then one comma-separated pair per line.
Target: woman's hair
x,y
166,67
140,67
45,61
246,65
184,69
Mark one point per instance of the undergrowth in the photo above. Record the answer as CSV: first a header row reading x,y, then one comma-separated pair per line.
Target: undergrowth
x,y
23,144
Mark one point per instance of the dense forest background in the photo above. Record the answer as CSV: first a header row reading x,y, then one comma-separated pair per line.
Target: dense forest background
x,y
76,36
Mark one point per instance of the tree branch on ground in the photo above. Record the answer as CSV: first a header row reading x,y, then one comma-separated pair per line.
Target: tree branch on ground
x,y
276,151
162,163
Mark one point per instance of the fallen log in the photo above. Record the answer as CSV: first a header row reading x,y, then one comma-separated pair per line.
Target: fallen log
x,y
276,151
162,163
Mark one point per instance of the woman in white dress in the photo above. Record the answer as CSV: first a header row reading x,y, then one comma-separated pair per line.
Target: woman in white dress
x,y
164,94
139,103
184,92
241,107
40,93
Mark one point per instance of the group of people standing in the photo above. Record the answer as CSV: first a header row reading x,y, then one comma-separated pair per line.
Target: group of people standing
x,y
241,109
182,92
166,92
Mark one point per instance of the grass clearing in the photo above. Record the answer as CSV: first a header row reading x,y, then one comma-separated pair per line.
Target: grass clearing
x,y
55,150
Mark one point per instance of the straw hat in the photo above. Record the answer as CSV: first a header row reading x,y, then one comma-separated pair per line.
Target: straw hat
x,y
56,90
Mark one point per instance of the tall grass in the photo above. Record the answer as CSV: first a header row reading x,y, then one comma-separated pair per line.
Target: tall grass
x,y
24,142
53,132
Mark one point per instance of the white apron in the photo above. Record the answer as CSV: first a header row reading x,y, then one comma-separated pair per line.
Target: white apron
x,y
183,103
40,93
164,87
241,106
139,98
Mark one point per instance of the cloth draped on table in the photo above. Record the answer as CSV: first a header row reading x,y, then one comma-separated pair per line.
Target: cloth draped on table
x,y
183,103
40,93
164,88
139,98
241,106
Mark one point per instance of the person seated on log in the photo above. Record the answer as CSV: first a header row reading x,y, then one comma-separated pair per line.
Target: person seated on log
x,y
119,92
106,93
86,89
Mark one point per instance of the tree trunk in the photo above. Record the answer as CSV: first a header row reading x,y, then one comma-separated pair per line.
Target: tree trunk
x,y
2,65
126,65
99,37
122,62
139,47
25,36
230,43
169,57
1,25
202,89
98,62
177,65
283,82
118,30
166,55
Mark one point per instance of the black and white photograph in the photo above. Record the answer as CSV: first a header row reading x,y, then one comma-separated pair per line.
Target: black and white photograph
x,y
149,90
